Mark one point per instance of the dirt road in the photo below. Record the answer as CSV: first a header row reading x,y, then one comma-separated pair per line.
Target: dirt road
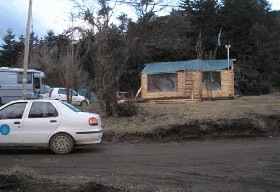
x,y
232,165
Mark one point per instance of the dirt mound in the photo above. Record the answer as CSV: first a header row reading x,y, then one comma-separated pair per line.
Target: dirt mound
x,y
12,182
251,126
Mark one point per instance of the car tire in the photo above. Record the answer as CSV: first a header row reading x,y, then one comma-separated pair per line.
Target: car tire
x,y
84,103
62,143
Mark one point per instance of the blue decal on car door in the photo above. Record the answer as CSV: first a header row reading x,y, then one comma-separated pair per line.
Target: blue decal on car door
x,y
5,129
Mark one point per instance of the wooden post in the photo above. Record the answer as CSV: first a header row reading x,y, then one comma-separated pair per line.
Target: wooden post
x,y
26,47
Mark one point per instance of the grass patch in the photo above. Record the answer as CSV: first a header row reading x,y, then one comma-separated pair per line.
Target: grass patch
x,y
25,179
153,116
24,173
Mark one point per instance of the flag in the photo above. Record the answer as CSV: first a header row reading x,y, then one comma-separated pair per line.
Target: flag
x,y
219,38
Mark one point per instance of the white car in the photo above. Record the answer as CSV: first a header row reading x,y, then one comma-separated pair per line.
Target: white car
x,y
60,94
48,123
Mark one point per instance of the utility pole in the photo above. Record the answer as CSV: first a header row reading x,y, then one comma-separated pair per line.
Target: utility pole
x,y
26,47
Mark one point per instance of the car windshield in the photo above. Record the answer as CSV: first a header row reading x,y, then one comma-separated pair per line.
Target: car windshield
x,y
73,108
48,90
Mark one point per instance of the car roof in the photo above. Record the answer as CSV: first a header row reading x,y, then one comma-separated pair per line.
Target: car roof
x,y
45,100
28,100
60,88
61,104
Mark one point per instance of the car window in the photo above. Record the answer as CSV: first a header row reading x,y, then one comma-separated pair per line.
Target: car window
x,y
73,108
62,91
13,111
48,90
74,93
28,78
42,110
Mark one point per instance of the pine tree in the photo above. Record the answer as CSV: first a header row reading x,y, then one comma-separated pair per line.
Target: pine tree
x,y
10,50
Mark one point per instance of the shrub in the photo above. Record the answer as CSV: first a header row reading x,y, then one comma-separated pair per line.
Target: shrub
x,y
127,108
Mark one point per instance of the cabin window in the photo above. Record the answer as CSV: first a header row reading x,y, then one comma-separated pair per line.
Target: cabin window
x,y
28,78
211,84
167,82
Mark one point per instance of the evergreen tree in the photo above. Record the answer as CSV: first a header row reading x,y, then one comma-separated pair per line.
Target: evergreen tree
x,y
34,40
11,49
50,39
204,20
249,29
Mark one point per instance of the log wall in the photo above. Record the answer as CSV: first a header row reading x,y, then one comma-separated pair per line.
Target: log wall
x,y
227,86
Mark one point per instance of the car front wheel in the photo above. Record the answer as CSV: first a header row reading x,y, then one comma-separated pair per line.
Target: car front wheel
x,y
62,143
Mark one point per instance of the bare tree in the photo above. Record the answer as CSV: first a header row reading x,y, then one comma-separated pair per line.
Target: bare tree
x,y
71,74
44,59
62,67
144,7
107,53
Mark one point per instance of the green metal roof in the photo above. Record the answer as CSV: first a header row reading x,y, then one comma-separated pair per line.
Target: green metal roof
x,y
191,65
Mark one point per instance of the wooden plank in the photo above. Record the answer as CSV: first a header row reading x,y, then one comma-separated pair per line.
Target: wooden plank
x,y
227,89
173,101
224,81
227,86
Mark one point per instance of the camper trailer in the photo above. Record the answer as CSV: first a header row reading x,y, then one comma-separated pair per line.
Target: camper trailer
x,y
11,87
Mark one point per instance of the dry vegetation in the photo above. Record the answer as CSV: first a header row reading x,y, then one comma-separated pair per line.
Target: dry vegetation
x,y
154,116
25,179
155,121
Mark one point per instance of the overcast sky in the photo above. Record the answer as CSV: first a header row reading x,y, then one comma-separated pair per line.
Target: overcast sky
x,y
46,15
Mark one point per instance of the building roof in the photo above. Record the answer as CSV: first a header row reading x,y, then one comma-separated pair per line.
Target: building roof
x,y
11,69
191,65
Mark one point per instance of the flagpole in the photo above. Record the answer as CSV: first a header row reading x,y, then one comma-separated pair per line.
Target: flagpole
x,y
218,44
227,47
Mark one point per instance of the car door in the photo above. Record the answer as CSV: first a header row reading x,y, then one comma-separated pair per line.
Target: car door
x,y
62,94
11,121
42,119
76,99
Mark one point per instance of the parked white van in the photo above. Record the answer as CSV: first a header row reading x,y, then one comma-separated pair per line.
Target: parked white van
x,y
11,83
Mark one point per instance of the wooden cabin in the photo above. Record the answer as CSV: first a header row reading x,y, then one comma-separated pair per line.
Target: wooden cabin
x,y
194,79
